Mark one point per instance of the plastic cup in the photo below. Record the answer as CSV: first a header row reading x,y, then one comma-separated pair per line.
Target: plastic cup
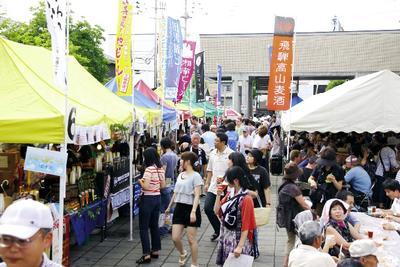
x,y
369,210
329,238
370,234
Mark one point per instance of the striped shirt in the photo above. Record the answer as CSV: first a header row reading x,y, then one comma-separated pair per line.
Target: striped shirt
x,y
154,175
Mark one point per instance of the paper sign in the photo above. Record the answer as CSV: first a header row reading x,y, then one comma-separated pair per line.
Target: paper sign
x,y
46,161
242,261
3,162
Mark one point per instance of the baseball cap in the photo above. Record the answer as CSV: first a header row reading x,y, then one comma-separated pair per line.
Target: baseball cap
x,y
23,218
351,159
362,247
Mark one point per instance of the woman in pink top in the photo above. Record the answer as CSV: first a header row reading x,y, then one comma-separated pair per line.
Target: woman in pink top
x,y
149,209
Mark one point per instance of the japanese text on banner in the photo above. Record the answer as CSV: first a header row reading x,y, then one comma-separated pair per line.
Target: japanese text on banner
x,y
173,58
280,77
56,24
199,75
123,55
187,68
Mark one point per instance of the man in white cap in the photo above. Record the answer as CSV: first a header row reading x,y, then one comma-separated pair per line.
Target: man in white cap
x,y
25,233
364,250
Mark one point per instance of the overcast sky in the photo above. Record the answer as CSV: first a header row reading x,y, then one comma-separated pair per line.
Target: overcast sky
x,y
231,16
224,16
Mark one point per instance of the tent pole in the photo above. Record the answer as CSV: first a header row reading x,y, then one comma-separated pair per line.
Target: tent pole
x,y
64,149
131,148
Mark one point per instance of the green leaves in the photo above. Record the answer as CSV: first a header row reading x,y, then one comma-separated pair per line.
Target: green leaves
x,y
84,40
334,83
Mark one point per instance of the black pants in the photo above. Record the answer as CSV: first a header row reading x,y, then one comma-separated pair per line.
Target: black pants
x,y
209,210
379,195
149,212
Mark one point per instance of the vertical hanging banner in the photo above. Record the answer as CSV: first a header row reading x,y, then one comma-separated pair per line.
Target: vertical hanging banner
x,y
187,68
173,58
56,16
219,86
199,75
123,54
281,65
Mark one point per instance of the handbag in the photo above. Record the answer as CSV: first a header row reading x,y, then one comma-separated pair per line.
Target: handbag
x,y
262,214
391,173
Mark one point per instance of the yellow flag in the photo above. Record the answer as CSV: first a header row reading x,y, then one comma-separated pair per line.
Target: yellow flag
x,y
123,46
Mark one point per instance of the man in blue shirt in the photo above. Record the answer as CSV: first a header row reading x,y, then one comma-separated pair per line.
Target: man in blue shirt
x,y
233,137
357,177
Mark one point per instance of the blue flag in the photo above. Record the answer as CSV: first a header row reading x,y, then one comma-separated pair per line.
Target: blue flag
x,y
219,85
173,58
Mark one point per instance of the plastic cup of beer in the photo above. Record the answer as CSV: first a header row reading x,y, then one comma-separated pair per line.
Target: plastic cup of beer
x,y
370,234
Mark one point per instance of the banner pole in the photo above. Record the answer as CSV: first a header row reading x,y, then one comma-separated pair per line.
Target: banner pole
x,y
291,93
131,142
63,178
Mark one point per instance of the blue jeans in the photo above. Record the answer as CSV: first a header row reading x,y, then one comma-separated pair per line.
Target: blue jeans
x,y
209,210
149,212
166,194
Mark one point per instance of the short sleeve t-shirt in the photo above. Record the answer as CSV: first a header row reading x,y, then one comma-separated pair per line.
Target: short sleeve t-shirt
x,y
200,153
233,139
155,176
291,190
248,217
169,160
320,173
261,142
184,187
261,176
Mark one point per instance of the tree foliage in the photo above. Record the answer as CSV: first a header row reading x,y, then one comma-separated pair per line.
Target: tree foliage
x,y
334,83
84,40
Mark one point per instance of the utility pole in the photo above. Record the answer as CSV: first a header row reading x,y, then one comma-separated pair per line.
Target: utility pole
x,y
155,44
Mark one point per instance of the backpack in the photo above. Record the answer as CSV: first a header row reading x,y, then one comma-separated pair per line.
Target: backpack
x,y
286,210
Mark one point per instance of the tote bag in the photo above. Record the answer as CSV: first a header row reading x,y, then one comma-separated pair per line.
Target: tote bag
x,y
262,214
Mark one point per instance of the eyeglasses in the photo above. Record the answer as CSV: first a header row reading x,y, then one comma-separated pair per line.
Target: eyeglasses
x,y
6,241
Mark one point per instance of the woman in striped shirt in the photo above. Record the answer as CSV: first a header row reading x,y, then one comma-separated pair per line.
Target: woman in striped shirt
x,y
149,209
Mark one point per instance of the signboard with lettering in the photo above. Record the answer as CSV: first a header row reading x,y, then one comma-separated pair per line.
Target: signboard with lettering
x,y
281,65
46,161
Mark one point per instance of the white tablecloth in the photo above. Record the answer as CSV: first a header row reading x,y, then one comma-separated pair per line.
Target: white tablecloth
x,y
388,253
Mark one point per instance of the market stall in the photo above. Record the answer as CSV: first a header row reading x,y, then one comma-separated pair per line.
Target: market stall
x,y
32,110
143,100
365,104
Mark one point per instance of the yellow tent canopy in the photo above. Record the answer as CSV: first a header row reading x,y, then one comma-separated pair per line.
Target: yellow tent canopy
x,y
32,107
198,112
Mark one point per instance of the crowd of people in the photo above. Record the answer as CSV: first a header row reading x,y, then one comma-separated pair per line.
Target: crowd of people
x,y
228,166
327,179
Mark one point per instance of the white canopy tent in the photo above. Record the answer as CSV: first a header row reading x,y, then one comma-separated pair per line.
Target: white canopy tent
x,y
369,103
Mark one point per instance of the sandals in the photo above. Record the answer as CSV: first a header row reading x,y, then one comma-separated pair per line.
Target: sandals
x,y
183,258
143,259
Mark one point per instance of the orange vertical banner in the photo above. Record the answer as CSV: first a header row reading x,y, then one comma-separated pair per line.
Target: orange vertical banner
x,y
280,75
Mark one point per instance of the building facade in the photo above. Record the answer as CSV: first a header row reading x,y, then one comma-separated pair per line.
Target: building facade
x,y
318,56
